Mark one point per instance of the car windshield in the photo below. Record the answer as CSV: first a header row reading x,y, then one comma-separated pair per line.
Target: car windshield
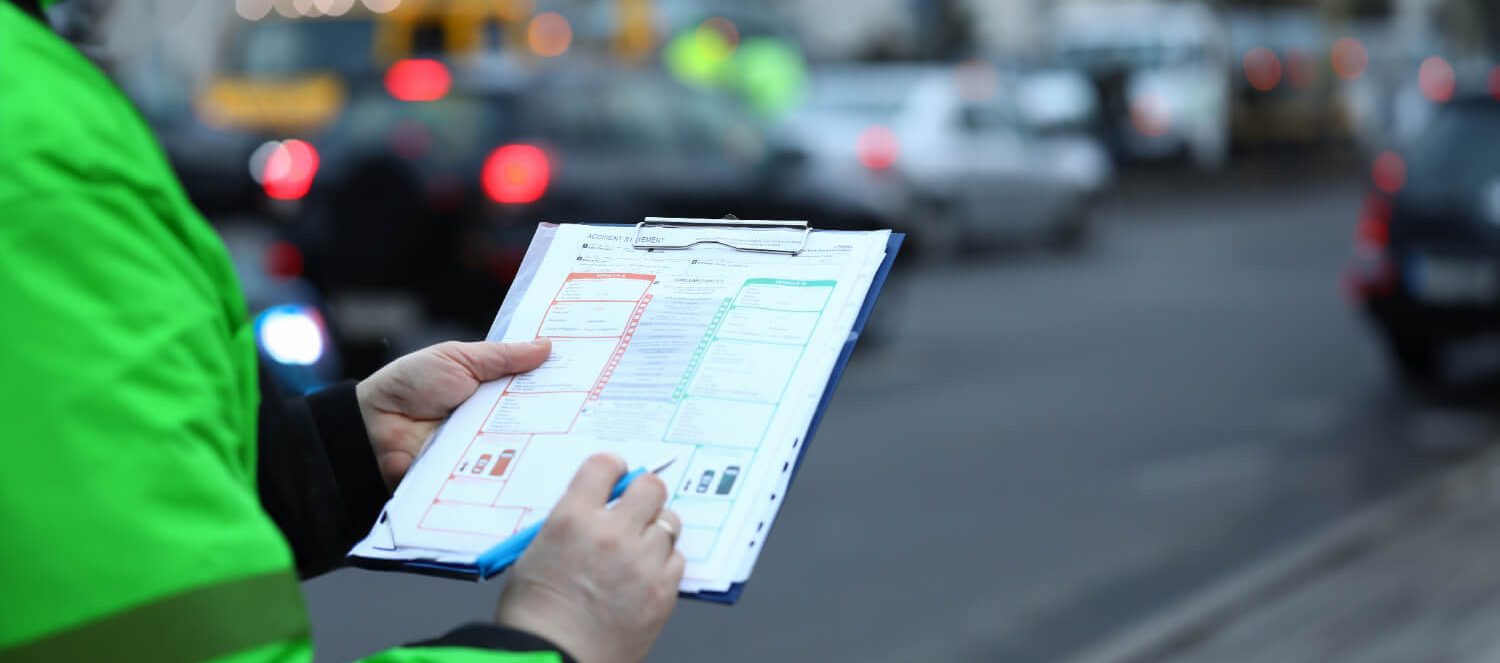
x,y
867,102
1459,153
284,48
451,130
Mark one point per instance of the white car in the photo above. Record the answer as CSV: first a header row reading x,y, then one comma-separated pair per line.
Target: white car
x,y
948,156
1163,72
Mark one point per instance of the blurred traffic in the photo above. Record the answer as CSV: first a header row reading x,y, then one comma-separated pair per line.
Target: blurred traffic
x,y
1081,171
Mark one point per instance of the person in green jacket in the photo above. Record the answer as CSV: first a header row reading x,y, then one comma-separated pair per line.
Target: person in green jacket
x,y
159,499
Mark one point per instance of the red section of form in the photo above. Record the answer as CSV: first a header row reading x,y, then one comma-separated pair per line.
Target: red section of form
x,y
605,373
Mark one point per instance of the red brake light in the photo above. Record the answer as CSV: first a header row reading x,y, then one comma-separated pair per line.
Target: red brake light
x,y
283,260
289,170
1262,68
516,174
878,147
1374,230
1389,172
418,80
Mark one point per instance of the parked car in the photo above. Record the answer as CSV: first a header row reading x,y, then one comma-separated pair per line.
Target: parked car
x,y
989,176
1162,71
1426,266
291,331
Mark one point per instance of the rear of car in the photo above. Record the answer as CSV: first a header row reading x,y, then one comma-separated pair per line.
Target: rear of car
x,y
1162,74
854,157
1427,249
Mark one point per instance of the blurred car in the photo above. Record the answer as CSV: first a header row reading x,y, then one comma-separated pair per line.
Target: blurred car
x,y
291,331
416,208
1426,267
209,161
947,155
969,153
844,129
1285,95
1162,72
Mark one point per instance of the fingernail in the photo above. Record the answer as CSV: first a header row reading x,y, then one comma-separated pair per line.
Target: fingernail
x,y
540,340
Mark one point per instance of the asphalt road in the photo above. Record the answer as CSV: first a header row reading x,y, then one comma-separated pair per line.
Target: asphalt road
x,y
1049,448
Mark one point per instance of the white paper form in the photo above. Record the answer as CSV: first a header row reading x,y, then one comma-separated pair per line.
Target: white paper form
x,y
713,357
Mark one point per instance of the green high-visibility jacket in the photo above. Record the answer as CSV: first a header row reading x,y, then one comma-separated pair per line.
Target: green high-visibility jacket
x,y
128,397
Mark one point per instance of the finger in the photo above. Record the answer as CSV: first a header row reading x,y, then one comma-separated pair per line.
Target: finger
x,y
663,531
592,484
642,501
488,361
676,565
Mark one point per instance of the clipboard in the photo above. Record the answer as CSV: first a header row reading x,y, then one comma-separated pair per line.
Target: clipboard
x,y
792,237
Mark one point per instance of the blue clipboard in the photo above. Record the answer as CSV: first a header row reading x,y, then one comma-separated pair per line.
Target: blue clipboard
x,y
732,595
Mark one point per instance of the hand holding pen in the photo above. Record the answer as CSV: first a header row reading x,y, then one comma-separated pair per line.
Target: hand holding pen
x,y
599,582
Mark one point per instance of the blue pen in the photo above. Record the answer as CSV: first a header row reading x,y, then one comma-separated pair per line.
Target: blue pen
x,y
506,552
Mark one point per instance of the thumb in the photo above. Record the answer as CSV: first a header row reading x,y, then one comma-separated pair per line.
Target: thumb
x,y
491,361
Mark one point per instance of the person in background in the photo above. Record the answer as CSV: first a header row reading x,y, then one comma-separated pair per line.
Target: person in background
x,y
159,498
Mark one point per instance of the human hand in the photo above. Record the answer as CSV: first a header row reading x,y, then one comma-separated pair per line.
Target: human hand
x,y
599,583
404,401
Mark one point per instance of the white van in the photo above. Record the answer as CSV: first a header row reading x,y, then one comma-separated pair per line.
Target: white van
x,y
1162,69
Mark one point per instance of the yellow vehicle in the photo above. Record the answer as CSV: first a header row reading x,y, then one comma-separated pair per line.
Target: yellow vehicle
x,y
290,75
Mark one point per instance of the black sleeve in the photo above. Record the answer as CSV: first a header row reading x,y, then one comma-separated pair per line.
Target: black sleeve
x,y
317,473
491,636
320,483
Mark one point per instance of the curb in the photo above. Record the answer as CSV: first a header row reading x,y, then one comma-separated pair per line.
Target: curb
x,y
1176,629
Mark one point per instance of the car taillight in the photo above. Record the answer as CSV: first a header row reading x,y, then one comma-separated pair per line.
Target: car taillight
x,y
289,170
418,80
878,147
1389,172
516,174
283,260
1373,234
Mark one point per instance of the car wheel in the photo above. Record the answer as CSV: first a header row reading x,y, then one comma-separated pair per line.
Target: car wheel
x,y
942,238
1070,233
1419,361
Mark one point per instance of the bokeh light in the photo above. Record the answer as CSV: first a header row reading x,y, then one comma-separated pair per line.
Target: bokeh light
x,y
1150,116
253,10
291,334
772,74
283,260
333,7
1262,69
289,170
1350,59
382,6
878,148
1389,172
549,34
418,80
516,174
725,28
1437,80
699,56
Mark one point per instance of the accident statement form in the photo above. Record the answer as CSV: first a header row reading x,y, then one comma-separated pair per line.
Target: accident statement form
x,y
715,358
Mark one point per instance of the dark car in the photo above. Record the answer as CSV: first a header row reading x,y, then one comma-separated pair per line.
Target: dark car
x,y
1427,259
418,212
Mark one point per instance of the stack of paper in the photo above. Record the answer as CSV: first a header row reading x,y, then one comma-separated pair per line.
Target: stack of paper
x,y
714,357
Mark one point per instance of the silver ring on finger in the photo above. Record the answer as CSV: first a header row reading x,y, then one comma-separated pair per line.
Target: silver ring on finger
x,y
667,527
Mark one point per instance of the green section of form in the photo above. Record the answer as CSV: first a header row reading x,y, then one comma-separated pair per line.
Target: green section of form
x,y
710,336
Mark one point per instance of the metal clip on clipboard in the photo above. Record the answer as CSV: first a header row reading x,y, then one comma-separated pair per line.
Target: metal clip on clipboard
x,y
727,222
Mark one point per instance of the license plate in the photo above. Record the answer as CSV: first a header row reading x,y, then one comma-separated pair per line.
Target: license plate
x,y
1452,280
